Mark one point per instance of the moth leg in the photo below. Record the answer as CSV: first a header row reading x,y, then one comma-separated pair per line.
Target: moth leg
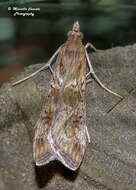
x,y
89,80
47,65
87,74
51,69
94,76
93,47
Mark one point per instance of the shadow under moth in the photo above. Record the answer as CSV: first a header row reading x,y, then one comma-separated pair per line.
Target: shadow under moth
x,y
61,132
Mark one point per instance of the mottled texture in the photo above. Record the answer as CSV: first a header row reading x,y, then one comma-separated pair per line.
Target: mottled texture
x,y
61,132
110,159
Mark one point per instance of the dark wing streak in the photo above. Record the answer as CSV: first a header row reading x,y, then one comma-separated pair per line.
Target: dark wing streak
x,y
68,117
62,158
40,142
66,75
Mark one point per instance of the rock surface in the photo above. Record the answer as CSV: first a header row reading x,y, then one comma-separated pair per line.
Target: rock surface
x,y
110,159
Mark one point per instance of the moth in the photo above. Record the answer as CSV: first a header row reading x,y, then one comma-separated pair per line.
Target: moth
x,y
61,132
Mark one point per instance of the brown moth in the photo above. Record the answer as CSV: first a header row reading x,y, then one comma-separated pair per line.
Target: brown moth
x,y
61,132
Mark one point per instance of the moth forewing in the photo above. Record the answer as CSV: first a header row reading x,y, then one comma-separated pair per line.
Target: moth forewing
x,y
66,136
41,149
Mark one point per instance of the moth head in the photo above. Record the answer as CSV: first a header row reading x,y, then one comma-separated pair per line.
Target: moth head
x,y
76,27
75,34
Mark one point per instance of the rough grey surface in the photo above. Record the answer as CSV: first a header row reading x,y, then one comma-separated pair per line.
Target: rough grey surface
x,y
110,159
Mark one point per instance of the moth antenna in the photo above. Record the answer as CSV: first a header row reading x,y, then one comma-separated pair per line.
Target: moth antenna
x,y
129,93
31,75
115,105
104,87
42,68
97,79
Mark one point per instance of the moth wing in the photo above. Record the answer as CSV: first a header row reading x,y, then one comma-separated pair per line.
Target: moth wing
x,y
68,136
41,149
